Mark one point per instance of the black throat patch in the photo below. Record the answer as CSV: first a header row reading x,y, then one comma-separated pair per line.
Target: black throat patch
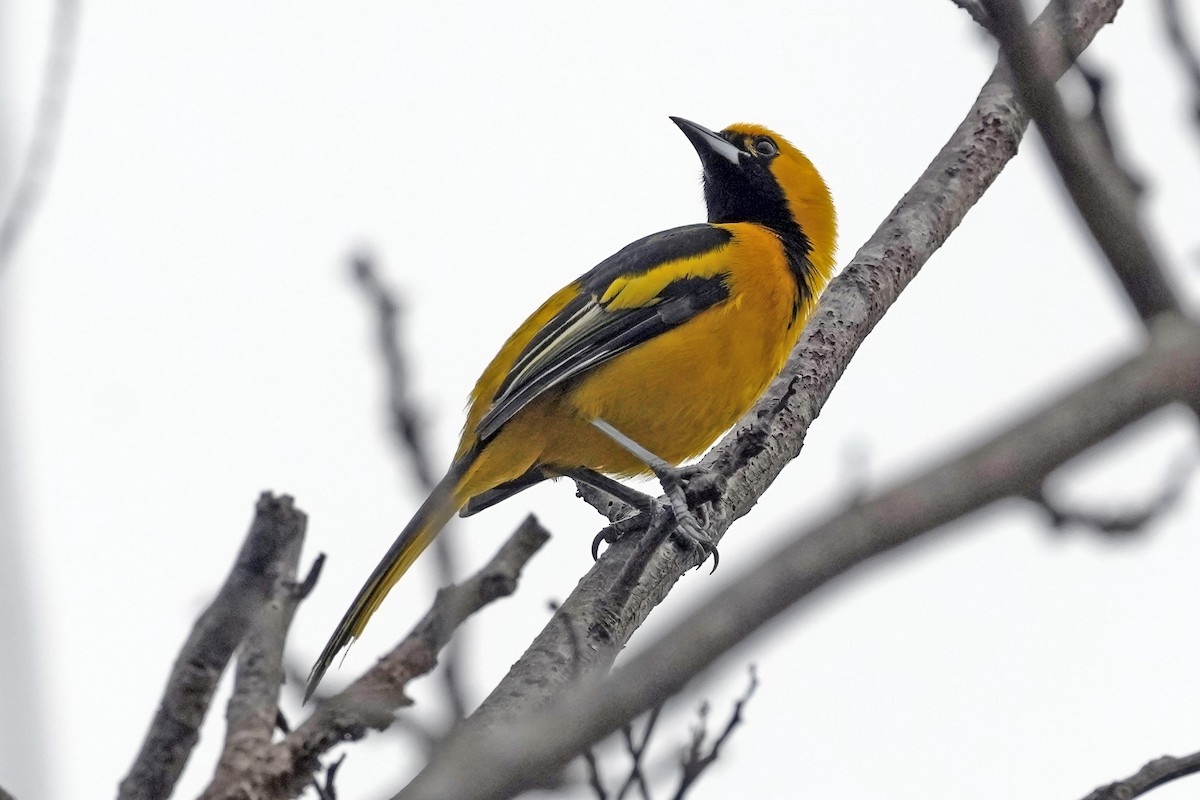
x,y
748,192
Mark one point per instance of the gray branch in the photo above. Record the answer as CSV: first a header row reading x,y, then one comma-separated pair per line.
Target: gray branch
x,y
47,126
252,713
1154,774
287,768
406,420
695,761
1124,522
278,526
1103,195
531,750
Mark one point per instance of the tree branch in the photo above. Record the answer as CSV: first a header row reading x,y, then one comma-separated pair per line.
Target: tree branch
x,y
252,714
695,760
369,701
1104,197
636,749
406,421
529,751
278,526
1154,774
47,125
635,574
1115,524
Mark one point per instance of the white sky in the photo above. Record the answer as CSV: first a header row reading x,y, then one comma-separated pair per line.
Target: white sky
x,y
179,334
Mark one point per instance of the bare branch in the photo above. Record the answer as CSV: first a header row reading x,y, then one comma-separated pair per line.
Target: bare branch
x,y
530,750
1185,50
278,526
326,791
636,749
1121,523
635,574
5,795
1099,118
594,781
1154,774
406,421
1104,198
695,760
252,713
47,126
369,701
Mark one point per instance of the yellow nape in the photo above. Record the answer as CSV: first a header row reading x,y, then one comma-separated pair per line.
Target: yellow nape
x,y
807,195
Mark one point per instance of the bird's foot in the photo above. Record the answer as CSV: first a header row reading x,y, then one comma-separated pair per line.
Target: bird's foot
x,y
703,485
653,515
647,514
675,483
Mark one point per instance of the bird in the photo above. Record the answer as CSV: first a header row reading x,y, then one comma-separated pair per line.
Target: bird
x,y
645,360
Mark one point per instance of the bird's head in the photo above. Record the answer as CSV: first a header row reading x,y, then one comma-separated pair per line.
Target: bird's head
x,y
752,174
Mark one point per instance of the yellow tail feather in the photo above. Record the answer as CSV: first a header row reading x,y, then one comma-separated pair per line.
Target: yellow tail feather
x,y
442,504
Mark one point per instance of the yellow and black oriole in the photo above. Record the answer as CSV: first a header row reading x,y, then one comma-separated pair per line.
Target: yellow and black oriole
x,y
669,341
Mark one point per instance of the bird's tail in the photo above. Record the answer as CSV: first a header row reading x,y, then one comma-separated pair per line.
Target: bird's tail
x,y
442,504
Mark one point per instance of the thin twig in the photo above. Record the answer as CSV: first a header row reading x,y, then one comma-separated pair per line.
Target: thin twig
x,y
408,435
34,171
326,790
407,426
1102,196
1123,523
636,749
277,527
479,763
594,781
1154,774
368,703
695,760
5,795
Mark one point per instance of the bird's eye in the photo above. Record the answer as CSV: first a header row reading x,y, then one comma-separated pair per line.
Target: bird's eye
x,y
765,147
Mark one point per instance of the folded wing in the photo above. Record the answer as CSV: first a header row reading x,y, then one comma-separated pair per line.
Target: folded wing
x,y
672,277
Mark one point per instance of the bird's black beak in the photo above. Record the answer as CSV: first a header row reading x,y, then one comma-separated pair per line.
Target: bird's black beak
x,y
706,142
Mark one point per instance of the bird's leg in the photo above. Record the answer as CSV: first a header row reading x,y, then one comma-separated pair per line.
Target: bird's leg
x,y
673,481
602,483
644,507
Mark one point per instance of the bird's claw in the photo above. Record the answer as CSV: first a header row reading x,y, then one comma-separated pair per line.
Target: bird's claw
x,y
653,515
694,536
608,534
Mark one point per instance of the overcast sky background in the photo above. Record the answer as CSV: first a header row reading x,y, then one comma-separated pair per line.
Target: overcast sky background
x,y
178,333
